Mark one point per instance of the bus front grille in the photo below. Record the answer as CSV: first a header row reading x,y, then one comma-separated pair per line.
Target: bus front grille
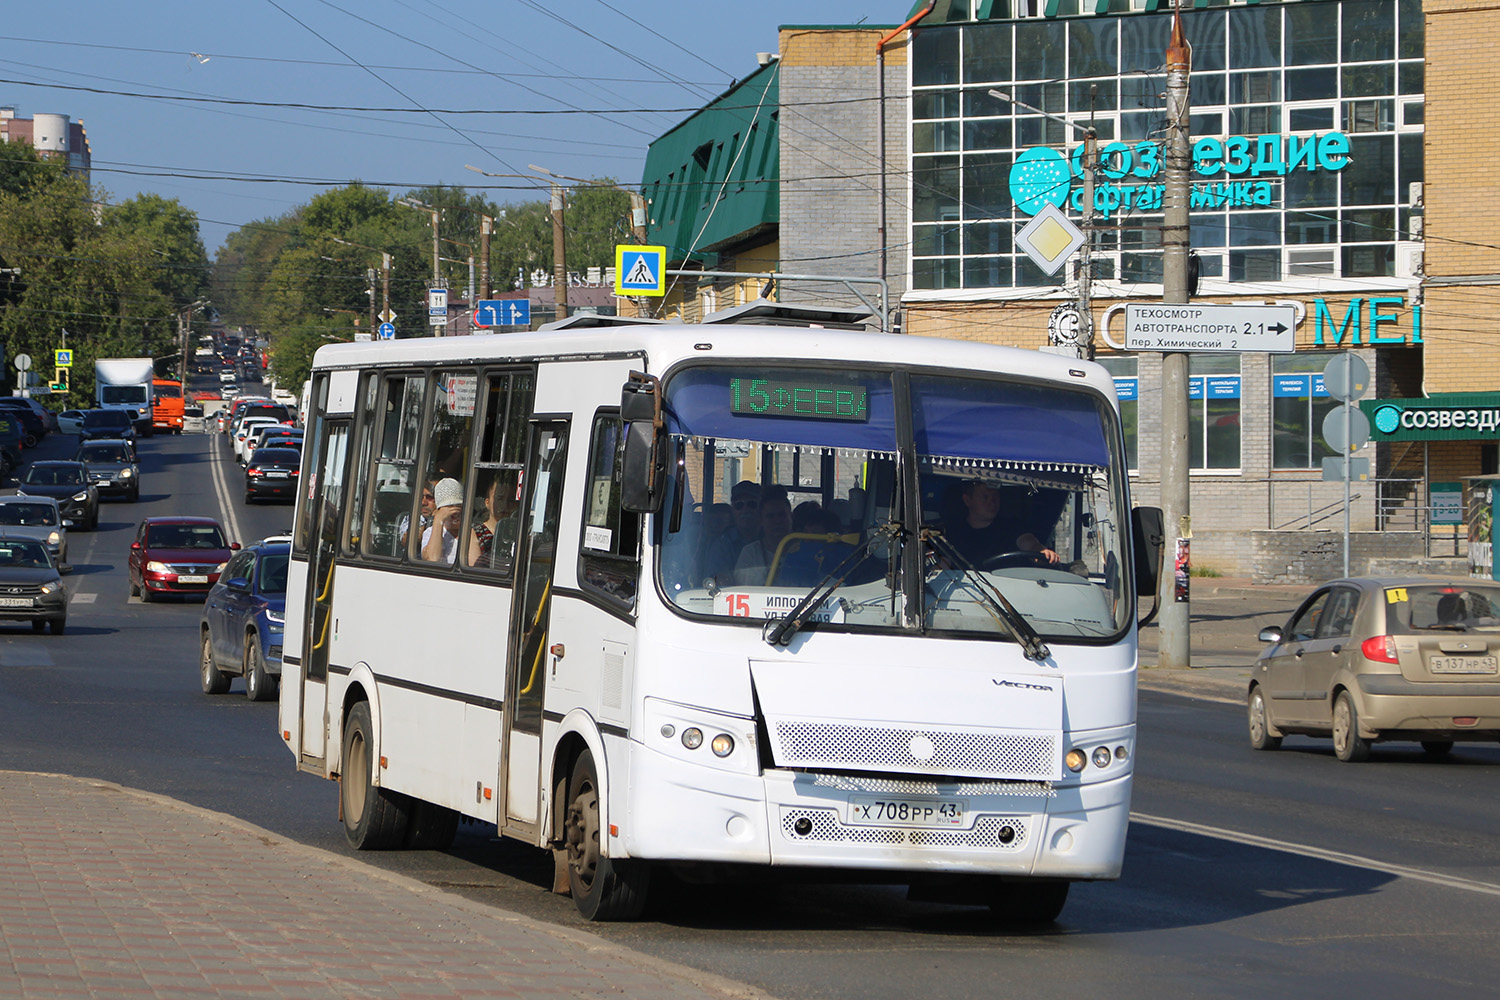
x,y
917,750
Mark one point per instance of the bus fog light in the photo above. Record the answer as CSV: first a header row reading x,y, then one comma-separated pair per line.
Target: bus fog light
x,y
1006,834
1122,753
722,745
1101,757
668,730
692,738
802,827
1075,760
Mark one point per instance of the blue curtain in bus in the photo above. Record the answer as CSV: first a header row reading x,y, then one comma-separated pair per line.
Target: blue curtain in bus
x,y
1033,426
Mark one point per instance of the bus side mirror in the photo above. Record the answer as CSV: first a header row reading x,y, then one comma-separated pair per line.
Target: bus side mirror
x,y
1147,535
643,468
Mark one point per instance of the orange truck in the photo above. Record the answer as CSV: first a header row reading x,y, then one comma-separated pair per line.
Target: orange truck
x,y
166,405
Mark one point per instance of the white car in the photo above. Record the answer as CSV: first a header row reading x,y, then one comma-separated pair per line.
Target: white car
x,y
246,426
227,377
70,422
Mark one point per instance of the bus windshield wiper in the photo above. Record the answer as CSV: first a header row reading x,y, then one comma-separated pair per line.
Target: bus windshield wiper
x,y
779,632
1020,629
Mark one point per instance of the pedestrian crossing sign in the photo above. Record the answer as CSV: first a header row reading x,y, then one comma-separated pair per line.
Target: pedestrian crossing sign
x,y
640,270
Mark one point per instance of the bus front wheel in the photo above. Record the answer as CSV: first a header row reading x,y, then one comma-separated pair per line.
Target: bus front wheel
x,y
375,819
1029,902
602,888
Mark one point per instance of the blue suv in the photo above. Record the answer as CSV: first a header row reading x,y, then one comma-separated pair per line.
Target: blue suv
x,y
243,619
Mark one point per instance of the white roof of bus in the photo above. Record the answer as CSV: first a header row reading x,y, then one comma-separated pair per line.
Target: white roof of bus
x,y
667,343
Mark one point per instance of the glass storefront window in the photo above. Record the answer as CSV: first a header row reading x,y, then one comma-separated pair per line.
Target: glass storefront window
x,y
1299,402
1300,70
1214,412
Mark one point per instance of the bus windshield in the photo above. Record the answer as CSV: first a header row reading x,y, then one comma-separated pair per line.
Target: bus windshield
x,y
799,476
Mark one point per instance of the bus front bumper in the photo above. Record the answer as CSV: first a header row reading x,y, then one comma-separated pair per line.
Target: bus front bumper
x,y
796,819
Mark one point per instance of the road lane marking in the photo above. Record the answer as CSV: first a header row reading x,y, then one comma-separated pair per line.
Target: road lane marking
x,y
221,489
1319,854
83,599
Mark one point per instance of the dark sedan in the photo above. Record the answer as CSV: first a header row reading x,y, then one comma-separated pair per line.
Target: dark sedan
x,y
110,422
240,633
177,555
111,467
30,587
68,484
272,473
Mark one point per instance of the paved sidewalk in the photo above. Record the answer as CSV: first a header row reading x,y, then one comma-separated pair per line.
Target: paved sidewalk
x,y
106,892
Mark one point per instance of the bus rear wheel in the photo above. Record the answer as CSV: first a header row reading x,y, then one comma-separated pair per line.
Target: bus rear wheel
x,y
602,888
374,819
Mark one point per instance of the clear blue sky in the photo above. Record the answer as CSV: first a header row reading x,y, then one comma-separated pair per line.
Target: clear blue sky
x,y
615,74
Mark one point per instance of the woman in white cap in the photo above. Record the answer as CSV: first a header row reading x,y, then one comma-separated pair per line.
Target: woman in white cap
x,y
440,539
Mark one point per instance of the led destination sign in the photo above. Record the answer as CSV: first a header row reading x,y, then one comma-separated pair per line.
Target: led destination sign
x,y
761,397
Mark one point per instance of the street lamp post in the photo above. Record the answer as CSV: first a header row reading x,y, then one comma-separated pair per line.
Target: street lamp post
x,y
1086,261
437,272
385,279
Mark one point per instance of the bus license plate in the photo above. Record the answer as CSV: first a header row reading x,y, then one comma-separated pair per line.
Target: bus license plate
x,y
192,579
1464,665
15,602
876,811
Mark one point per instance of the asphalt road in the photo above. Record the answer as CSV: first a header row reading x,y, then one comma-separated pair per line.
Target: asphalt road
x,y
1247,874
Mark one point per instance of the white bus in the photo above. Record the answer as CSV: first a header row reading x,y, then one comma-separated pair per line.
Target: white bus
x,y
722,596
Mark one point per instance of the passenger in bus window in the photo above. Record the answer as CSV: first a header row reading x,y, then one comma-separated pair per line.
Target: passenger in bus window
x,y
440,538
403,527
775,524
979,530
724,551
493,540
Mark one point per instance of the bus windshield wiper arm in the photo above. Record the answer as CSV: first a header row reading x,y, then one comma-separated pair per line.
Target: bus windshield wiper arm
x,y
1020,628
779,632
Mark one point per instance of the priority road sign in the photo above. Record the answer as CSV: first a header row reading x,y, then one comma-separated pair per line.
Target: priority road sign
x,y
503,312
387,315
63,358
640,270
386,331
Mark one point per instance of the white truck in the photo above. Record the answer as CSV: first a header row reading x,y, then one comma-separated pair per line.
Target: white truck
x,y
126,383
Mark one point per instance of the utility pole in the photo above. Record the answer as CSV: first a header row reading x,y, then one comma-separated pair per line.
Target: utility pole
x,y
385,283
559,261
1085,342
184,323
437,270
486,225
1174,650
370,278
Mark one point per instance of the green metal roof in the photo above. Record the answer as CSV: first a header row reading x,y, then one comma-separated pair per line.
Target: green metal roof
x,y
712,180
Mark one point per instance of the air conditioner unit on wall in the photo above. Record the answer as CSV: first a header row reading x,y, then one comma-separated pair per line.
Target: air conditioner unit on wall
x,y
1408,260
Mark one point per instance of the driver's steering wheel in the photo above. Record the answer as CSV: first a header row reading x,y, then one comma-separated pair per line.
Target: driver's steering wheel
x,y
1006,560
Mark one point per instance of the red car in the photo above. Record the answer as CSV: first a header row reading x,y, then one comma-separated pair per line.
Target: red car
x,y
177,555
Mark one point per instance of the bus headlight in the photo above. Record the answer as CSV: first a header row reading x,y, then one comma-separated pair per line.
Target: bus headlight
x,y
1102,756
1076,760
722,745
692,737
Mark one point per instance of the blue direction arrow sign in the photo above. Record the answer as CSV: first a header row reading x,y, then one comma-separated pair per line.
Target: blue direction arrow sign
x,y
503,312
386,331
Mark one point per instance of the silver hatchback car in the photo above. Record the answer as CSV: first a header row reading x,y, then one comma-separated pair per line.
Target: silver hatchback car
x,y
1375,659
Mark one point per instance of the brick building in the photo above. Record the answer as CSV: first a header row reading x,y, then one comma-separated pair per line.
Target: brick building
x,y
1335,170
52,135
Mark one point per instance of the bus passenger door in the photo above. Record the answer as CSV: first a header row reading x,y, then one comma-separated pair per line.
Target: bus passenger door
x,y
324,516
527,657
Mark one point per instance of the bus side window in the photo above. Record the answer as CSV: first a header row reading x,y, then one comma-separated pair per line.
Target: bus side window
x,y
395,427
609,554
357,476
446,453
494,514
